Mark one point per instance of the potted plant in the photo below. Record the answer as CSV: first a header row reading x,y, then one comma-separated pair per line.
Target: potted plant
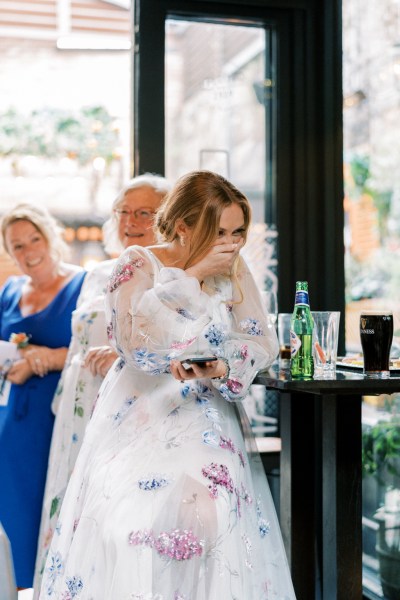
x,y
381,459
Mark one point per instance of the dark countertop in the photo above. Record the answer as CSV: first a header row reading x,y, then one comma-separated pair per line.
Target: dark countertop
x,y
347,381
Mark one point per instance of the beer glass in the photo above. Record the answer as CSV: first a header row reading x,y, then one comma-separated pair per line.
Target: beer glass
x,y
376,332
271,305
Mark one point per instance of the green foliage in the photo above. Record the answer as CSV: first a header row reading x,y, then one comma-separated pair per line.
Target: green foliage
x,y
381,447
53,133
359,168
362,183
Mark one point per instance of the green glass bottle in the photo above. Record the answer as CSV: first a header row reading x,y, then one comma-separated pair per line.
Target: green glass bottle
x,y
301,334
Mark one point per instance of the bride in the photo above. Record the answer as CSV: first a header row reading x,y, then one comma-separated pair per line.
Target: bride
x,y
167,501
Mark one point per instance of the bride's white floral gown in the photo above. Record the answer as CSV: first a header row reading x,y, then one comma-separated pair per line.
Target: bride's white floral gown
x,y
165,502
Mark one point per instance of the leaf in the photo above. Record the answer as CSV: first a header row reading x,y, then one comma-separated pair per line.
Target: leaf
x,y
54,505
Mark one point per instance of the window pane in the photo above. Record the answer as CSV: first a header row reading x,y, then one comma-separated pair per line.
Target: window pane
x,y
219,105
65,113
371,85
215,108
371,69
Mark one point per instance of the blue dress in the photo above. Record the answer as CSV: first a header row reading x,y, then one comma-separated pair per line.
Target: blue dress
x,y
26,422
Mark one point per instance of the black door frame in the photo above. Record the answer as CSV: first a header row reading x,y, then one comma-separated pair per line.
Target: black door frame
x,y
309,152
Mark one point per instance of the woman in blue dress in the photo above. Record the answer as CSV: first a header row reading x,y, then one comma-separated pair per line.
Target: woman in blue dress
x,y
37,305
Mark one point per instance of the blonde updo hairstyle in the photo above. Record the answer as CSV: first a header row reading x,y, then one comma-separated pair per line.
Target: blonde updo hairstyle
x,y
159,184
44,222
199,199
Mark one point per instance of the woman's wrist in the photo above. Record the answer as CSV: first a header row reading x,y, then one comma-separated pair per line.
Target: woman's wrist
x,y
57,358
225,376
193,272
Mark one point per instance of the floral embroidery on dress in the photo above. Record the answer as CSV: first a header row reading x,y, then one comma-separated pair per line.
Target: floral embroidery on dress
x,y
119,416
244,494
186,313
263,525
215,335
218,475
179,544
215,417
74,585
248,547
111,327
79,411
123,271
54,505
227,443
197,391
241,353
251,326
182,345
83,327
150,361
241,458
202,393
211,438
153,482
53,571
231,389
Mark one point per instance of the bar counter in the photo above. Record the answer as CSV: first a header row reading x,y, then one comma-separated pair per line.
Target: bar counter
x,y
321,492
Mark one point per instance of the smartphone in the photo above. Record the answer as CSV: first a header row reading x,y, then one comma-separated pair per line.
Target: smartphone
x,y
198,360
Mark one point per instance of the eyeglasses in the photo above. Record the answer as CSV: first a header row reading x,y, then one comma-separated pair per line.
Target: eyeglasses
x,y
142,215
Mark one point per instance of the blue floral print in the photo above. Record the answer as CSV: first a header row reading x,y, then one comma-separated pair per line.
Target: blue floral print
x,y
74,585
251,326
153,482
53,571
150,361
215,334
119,416
263,525
198,391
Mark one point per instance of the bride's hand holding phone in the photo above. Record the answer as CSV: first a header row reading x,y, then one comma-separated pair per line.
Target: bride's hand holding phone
x,y
198,368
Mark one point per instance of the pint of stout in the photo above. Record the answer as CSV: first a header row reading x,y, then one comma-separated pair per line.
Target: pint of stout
x,y
376,332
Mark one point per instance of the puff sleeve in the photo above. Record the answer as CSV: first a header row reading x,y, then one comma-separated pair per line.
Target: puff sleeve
x,y
153,314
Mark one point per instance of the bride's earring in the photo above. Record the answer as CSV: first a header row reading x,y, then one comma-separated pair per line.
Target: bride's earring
x,y
182,240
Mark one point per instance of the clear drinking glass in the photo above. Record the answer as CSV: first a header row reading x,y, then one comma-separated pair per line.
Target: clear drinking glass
x,y
284,338
325,343
271,305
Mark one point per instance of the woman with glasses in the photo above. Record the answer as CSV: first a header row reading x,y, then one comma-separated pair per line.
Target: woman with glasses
x,y
90,355
166,501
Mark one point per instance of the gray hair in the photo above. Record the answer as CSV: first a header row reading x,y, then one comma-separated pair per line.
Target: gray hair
x,y
44,222
112,244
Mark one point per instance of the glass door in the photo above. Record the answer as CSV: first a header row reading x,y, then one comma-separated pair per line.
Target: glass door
x,y
219,107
